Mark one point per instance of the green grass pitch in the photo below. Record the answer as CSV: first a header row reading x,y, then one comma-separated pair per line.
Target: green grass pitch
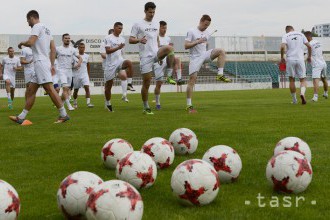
x,y
35,159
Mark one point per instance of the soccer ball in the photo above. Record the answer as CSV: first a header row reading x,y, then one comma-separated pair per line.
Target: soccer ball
x,y
160,150
225,161
289,172
9,202
195,182
73,193
113,150
184,141
138,169
295,144
114,199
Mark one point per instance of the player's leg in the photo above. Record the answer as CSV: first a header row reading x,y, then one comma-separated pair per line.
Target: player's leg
x,y
325,81
12,93
128,66
123,78
178,70
88,96
316,89
10,101
301,72
220,55
75,97
146,81
167,51
290,69
107,94
157,93
159,77
190,87
65,96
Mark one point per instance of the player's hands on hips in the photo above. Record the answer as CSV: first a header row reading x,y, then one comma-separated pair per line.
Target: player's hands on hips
x,y
143,40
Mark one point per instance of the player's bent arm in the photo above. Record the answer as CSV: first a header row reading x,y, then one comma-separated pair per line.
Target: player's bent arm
x,y
309,48
283,46
103,55
110,50
23,61
88,70
133,40
30,42
190,44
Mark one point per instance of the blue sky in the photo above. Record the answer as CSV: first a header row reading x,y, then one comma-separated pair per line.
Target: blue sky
x,y
231,17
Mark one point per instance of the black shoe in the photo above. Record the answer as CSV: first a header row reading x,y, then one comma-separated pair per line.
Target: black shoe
x,y
109,107
180,82
130,87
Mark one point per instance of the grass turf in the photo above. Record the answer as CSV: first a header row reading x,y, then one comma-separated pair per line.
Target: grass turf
x,y
37,158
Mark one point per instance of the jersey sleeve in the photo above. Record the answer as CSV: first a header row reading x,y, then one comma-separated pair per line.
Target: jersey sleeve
x,y
36,30
22,53
135,30
189,36
107,42
18,62
284,40
305,39
102,48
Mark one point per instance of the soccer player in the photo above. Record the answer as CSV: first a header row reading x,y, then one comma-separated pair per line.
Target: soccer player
x,y
319,66
81,76
196,42
115,64
164,41
26,60
145,32
65,56
8,67
293,42
43,50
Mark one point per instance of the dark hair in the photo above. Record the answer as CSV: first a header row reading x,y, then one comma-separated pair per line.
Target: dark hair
x,y
162,23
64,35
81,44
288,28
33,14
308,34
110,31
118,24
205,18
9,48
149,5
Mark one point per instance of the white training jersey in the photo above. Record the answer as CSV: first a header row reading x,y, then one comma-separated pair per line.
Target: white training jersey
x,y
164,41
317,54
9,64
65,56
193,35
113,41
27,54
295,45
83,68
41,48
102,50
150,31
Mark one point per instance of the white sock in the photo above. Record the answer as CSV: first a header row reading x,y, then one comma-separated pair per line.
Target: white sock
x,y
294,97
23,114
169,72
302,90
189,101
157,99
146,104
8,96
107,102
129,80
316,95
62,111
178,74
69,97
124,87
75,101
67,102
325,92
220,71
88,100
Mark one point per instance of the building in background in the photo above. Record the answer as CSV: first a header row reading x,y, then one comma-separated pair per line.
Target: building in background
x,y
322,30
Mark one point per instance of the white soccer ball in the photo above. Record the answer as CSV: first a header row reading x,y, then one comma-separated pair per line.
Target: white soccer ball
x,y
184,141
114,199
294,144
73,193
9,202
160,150
138,169
195,182
113,150
289,172
225,161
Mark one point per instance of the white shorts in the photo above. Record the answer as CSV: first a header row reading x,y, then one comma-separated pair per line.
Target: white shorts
x,y
28,77
42,72
80,81
65,77
111,72
196,63
319,71
11,79
147,63
160,70
296,68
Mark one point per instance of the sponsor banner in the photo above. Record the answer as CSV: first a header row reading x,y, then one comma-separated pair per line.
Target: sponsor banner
x,y
4,42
